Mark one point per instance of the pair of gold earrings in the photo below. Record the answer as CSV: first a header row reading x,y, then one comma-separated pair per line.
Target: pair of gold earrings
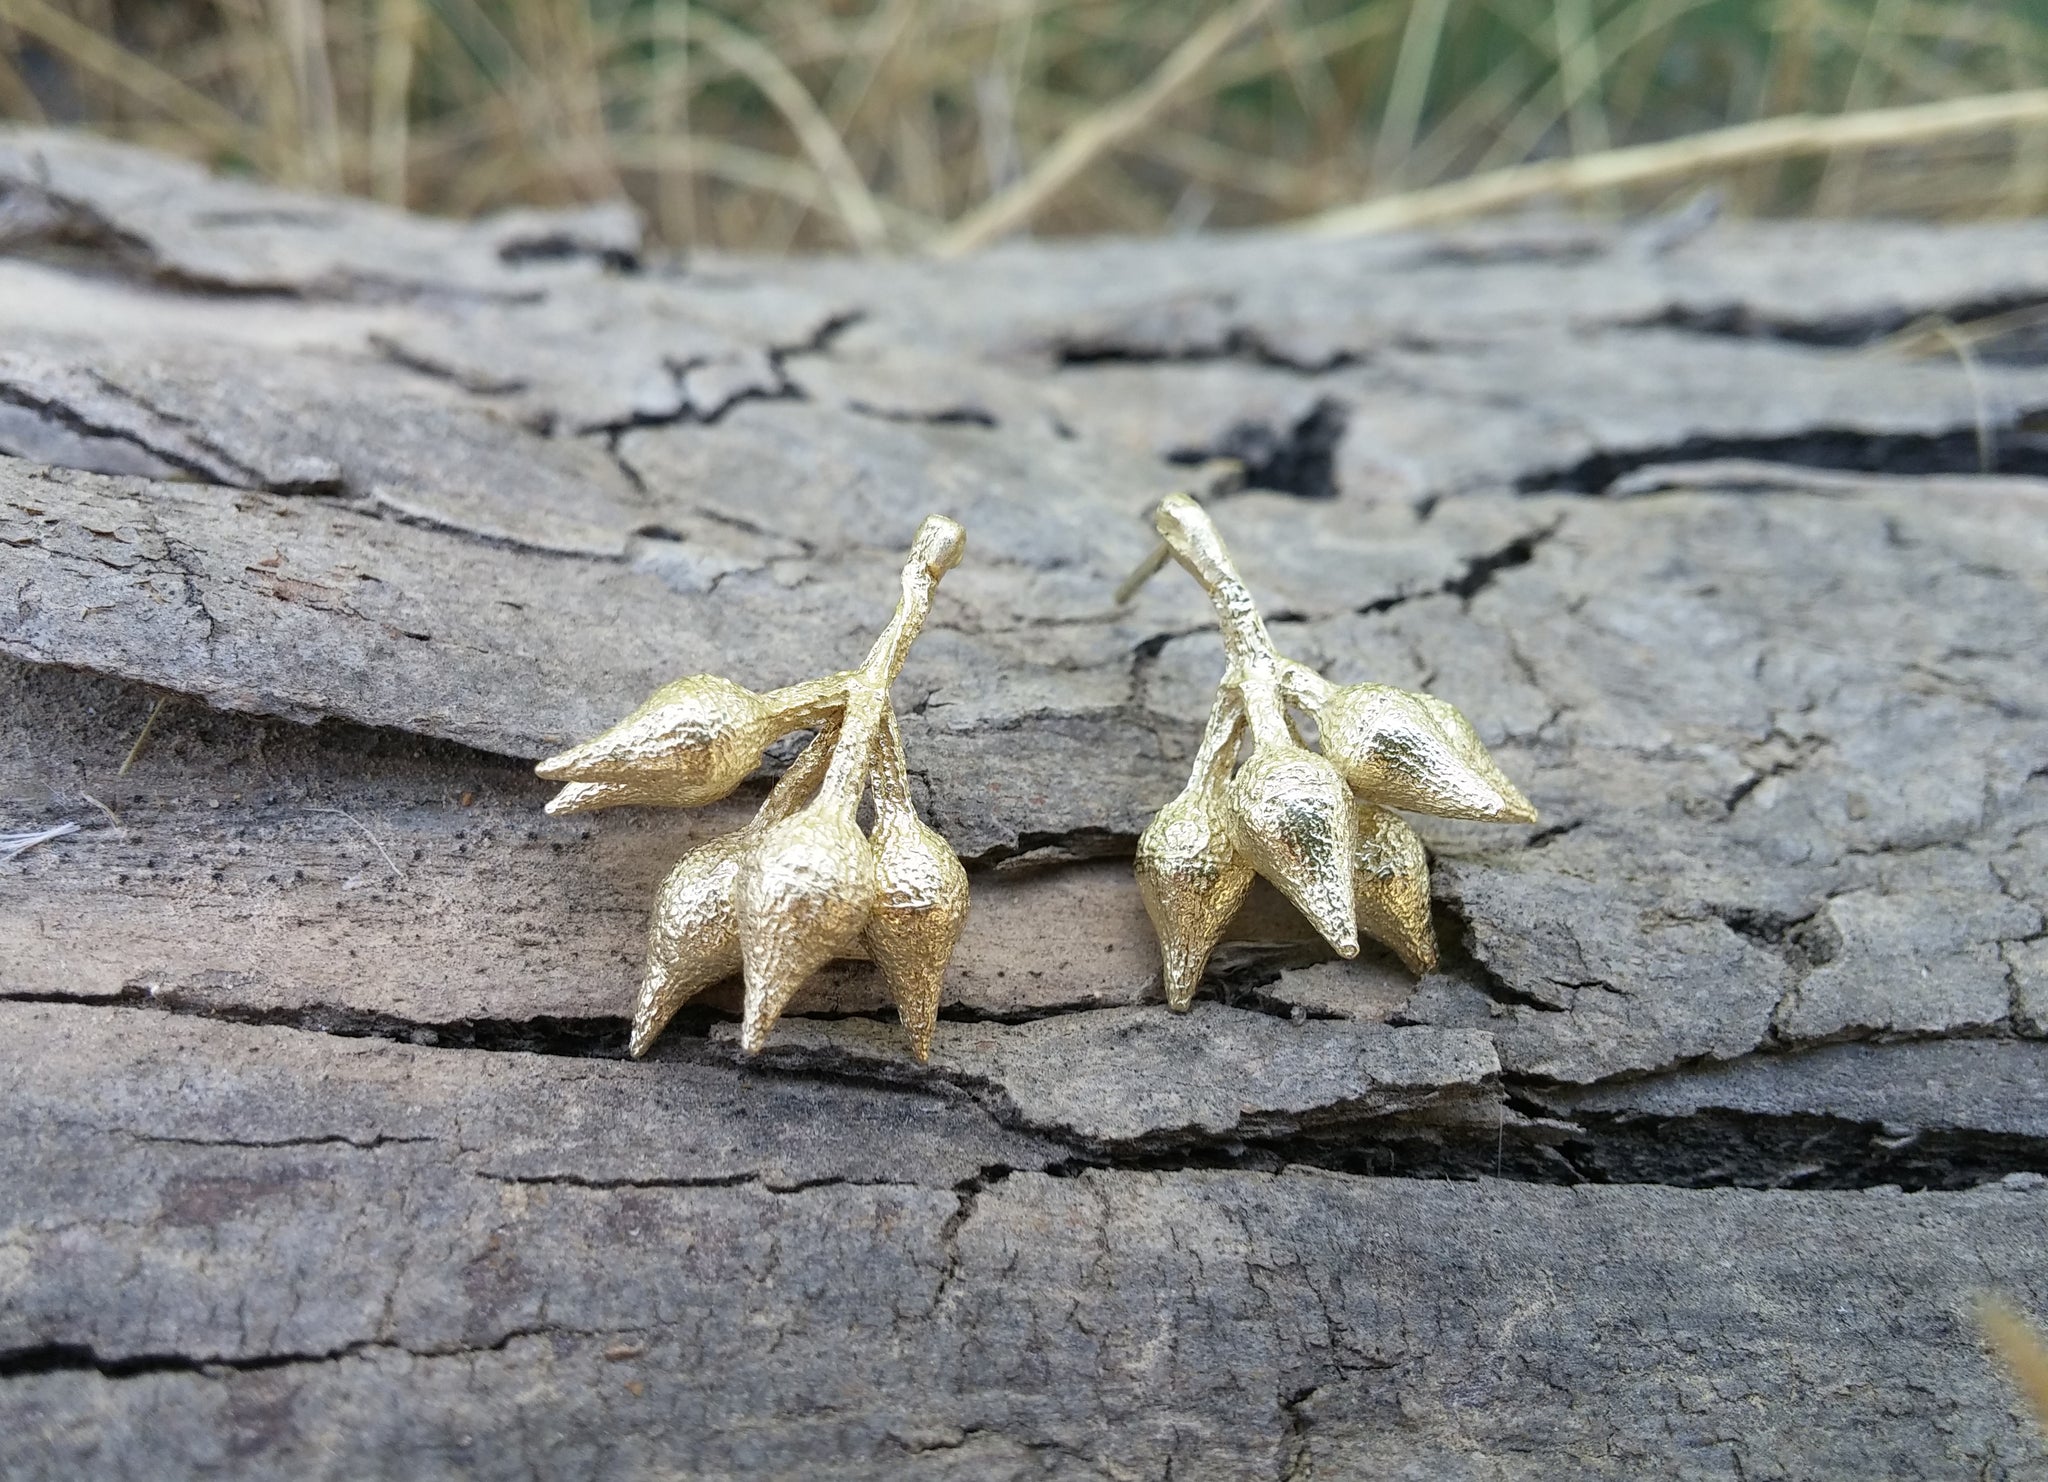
x,y
801,884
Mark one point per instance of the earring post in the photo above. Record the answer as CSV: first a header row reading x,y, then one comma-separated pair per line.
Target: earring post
x,y
1214,479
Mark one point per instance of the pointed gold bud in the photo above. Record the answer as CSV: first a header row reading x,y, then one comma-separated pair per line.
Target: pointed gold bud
x,y
1390,877
1414,751
920,909
1294,819
698,736
805,890
654,791
694,938
1193,878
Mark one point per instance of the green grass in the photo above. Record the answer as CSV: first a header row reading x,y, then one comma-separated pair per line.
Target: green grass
x,y
466,105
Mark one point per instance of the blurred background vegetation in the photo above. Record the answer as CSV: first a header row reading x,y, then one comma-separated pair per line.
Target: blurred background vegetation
x,y
825,123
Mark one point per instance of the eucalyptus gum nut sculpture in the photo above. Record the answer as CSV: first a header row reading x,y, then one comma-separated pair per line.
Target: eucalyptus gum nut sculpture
x,y
800,884
1410,751
920,898
805,891
693,940
1293,818
1317,826
1390,878
695,738
1191,873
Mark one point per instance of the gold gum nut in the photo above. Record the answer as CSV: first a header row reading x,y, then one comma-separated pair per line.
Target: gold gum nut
x,y
920,899
1191,874
1414,751
805,891
690,743
810,883
658,791
801,884
1192,879
1294,819
1390,874
1317,826
693,939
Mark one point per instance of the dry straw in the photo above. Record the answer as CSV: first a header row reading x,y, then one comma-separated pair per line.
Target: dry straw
x,y
946,125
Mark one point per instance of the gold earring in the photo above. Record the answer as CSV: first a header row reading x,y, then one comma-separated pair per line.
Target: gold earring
x,y
801,884
1317,826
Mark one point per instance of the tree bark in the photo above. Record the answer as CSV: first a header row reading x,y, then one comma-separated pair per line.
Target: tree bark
x,y
318,1151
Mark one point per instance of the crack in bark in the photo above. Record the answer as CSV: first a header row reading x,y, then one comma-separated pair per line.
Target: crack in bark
x,y
59,1357
594,1037
342,1139
1245,343
1301,461
1529,1139
1479,573
689,411
753,1179
1847,449
229,472
1738,320
954,416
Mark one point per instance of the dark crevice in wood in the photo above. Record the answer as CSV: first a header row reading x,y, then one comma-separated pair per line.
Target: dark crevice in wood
x,y
1478,573
596,1037
957,416
565,246
1244,344
1511,1134
2024,342
1849,450
1035,850
57,1357
1301,460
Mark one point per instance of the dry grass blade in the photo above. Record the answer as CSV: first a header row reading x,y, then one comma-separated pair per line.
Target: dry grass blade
x,y
86,48
1924,337
2019,1347
1410,89
303,27
391,69
1087,141
364,829
810,124
142,737
1957,343
13,846
751,169
1742,144
851,197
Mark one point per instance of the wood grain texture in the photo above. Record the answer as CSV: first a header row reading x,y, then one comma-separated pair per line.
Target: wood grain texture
x,y
320,1155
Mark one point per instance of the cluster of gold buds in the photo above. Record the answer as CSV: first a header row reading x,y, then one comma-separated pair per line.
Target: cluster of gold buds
x,y
1317,825
800,884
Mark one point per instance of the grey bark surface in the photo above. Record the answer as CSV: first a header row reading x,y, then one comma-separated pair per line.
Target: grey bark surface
x,y
320,1155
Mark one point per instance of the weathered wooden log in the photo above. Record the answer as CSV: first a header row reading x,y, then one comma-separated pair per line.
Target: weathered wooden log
x,y
320,1155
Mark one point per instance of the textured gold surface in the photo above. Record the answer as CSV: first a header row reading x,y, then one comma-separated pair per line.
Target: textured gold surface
x,y
1317,826
1390,875
1191,873
920,897
800,884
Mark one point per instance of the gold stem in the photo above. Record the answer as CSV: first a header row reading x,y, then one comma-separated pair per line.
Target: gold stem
x,y
890,777
935,551
797,705
1302,686
1192,537
1219,741
794,787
